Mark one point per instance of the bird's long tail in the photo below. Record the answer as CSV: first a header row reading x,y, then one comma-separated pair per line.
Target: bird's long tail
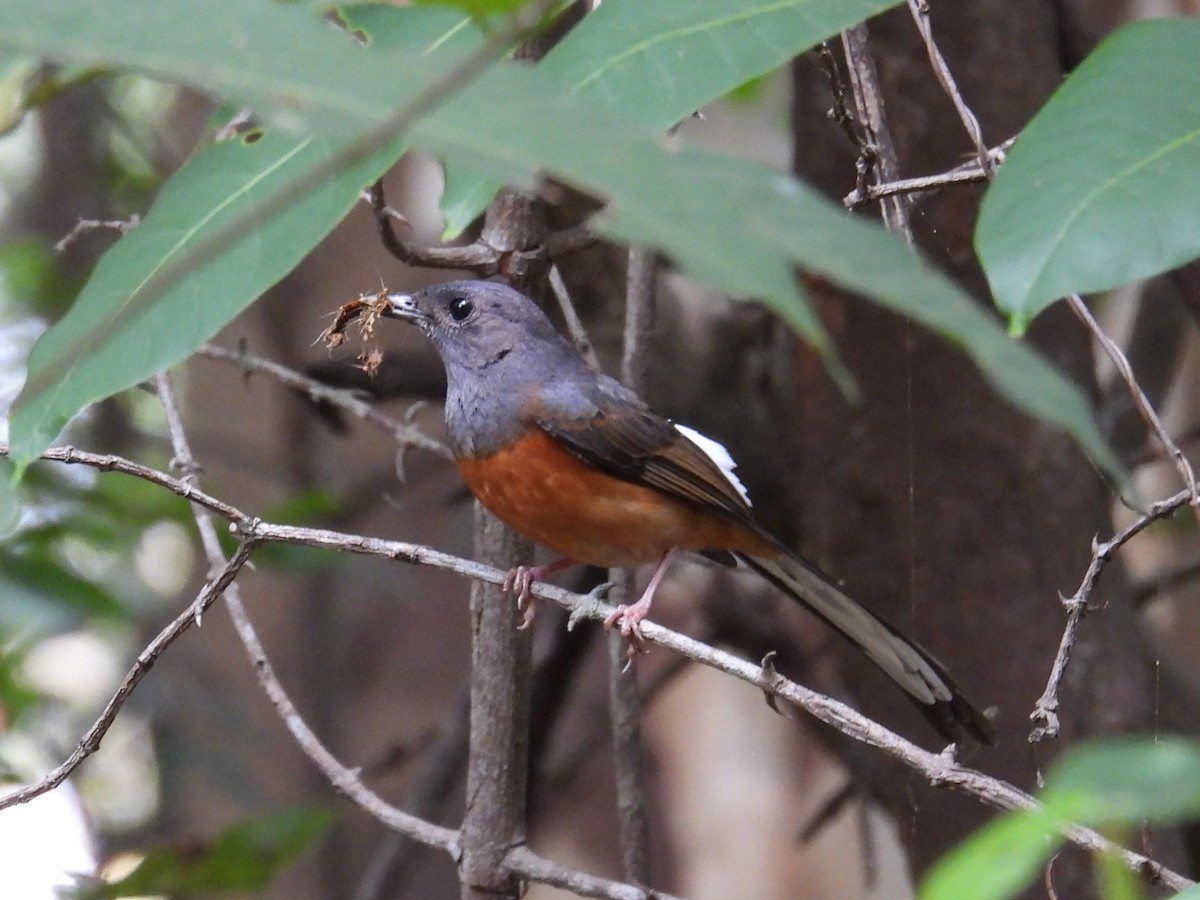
x,y
913,669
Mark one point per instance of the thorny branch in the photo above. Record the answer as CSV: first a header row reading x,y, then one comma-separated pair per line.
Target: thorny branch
x,y
938,768
1045,711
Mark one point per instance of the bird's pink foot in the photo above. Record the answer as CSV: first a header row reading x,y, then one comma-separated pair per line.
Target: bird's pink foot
x,y
519,582
630,618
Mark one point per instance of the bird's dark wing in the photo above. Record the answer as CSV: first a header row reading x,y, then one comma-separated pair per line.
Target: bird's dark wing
x,y
621,436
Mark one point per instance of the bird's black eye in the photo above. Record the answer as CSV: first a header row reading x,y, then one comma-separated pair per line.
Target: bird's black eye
x,y
460,308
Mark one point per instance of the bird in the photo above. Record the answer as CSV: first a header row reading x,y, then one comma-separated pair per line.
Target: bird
x,y
575,461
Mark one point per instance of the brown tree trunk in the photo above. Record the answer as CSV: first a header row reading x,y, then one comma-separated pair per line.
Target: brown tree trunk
x,y
943,507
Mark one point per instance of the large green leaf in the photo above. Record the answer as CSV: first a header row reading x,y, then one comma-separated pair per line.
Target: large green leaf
x,y
1116,782
739,226
129,324
1103,186
691,53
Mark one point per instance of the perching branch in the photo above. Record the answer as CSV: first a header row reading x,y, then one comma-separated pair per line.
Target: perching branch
x,y
938,769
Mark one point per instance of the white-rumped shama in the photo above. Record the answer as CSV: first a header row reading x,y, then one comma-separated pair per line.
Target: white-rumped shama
x,y
575,461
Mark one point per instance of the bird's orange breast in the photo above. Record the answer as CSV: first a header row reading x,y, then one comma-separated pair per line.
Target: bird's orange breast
x,y
537,487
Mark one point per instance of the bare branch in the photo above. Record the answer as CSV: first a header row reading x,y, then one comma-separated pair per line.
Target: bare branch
x,y
480,257
90,742
575,327
1117,355
920,14
968,173
476,257
404,434
877,150
84,226
938,769
1045,711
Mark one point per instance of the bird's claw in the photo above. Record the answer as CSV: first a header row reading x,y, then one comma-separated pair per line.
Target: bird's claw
x,y
630,618
519,582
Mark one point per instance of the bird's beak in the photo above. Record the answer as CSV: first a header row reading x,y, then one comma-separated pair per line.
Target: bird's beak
x,y
404,307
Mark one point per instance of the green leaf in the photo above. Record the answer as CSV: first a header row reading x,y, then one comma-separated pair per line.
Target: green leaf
x,y
1115,782
739,226
1103,186
10,501
38,578
997,861
1125,781
691,53
138,315
480,9
18,78
243,858
413,29
16,698
465,197
426,29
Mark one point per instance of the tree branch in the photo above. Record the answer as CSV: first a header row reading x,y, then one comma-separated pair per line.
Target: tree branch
x,y
877,151
1045,711
939,769
90,742
405,435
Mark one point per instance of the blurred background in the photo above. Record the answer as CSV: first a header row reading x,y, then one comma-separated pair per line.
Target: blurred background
x,y
934,501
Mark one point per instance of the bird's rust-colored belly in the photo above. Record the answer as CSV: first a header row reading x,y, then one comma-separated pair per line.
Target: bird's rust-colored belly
x,y
540,489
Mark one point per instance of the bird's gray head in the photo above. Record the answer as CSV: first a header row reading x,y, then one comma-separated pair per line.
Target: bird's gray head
x,y
501,354
477,324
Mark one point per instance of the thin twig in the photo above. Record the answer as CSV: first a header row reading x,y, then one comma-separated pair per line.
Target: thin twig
x,y
404,434
877,156
1117,355
574,324
90,742
1045,711
641,275
83,226
920,14
937,768
968,173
